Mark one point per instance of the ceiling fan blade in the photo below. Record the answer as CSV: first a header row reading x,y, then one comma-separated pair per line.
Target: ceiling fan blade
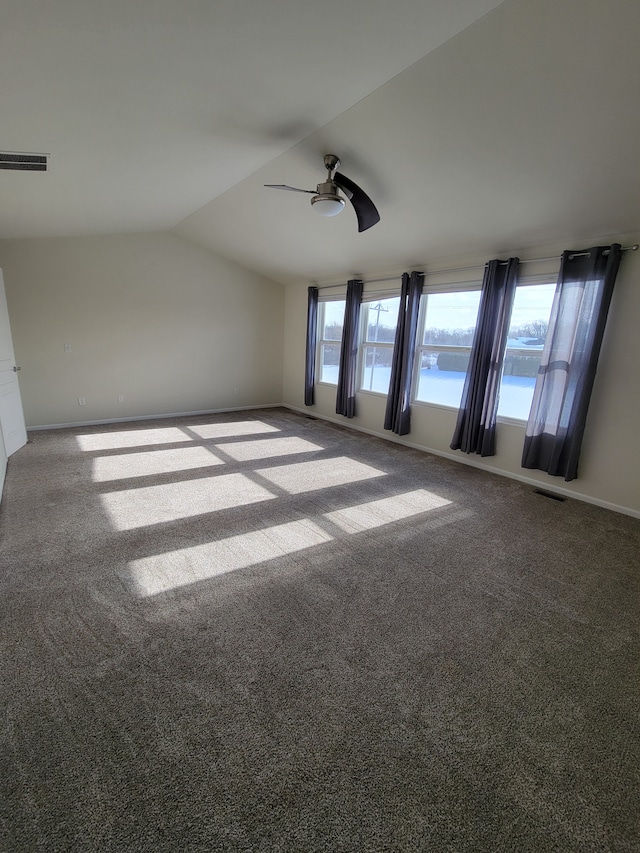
x,y
290,189
365,209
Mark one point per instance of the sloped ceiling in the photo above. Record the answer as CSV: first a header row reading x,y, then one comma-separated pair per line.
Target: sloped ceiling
x,y
476,126
152,109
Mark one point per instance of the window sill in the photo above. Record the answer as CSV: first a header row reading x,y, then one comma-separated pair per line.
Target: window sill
x,y
501,419
425,404
372,393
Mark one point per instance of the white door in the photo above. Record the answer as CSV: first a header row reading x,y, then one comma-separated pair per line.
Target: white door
x,y
14,433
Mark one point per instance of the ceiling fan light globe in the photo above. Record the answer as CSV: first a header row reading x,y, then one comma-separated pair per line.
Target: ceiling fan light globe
x,y
327,204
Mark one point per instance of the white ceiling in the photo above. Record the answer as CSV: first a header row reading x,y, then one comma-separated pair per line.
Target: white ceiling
x,y
472,132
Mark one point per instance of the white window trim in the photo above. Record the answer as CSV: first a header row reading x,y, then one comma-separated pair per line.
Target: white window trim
x,y
525,281
449,287
363,343
320,341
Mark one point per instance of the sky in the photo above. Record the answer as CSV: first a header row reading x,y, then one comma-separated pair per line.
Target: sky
x,y
459,310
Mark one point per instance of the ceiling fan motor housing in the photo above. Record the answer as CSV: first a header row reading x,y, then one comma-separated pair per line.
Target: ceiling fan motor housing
x,y
327,202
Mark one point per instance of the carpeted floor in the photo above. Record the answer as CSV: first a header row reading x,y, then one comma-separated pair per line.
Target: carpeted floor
x,y
261,632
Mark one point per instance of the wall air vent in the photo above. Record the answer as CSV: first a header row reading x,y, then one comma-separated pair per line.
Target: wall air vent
x,y
17,161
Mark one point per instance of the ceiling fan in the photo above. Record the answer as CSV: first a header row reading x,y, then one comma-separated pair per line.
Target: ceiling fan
x,y
327,201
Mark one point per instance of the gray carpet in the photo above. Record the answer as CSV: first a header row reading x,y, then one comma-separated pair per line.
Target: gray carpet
x,y
262,632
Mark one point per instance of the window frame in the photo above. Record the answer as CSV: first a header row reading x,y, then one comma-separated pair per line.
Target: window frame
x,y
321,341
531,280
449,287
364,343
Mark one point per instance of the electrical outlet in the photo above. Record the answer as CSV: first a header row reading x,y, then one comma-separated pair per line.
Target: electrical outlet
x,y
121,398
236,391
67,347
82,401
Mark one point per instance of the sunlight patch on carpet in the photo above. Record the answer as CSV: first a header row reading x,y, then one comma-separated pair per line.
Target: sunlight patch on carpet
x,y
229,430
153,575
131,438
132,508
163,572
301,477
385,511
152,462
243,451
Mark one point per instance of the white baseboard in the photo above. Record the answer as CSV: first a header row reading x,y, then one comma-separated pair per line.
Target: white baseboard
x,y
559,490
153,417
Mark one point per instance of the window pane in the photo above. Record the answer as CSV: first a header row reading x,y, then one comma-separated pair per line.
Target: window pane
x,y
329,363
376,368
450,321
525,342
333,318
381,320
330,329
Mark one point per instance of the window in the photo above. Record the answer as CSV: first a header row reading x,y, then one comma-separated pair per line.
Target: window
x,y
448,323
330,320
525,342
379,319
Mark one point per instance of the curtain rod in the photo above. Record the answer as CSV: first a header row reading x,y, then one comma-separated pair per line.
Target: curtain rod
x,y
633,248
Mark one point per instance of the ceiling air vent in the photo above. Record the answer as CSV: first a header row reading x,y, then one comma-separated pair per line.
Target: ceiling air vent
x,y
24,162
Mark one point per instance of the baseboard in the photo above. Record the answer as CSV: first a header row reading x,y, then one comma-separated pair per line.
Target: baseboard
x,y
530,481
152,417
472,463
3,472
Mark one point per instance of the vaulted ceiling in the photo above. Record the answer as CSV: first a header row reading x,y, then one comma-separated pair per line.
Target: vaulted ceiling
x,y
475,125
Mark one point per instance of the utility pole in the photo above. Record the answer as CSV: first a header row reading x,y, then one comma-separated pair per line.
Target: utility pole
x,y
379,307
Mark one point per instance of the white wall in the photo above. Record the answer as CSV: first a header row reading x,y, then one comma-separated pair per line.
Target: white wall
x,y
3,463
166,324
609,470
174,328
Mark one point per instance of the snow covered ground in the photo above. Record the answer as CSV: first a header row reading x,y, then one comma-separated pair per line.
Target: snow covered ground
x,y
444,387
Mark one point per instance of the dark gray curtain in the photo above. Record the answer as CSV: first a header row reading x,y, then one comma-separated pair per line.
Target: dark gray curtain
x,y
475,430
397,416
346,394
312,331
565,379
